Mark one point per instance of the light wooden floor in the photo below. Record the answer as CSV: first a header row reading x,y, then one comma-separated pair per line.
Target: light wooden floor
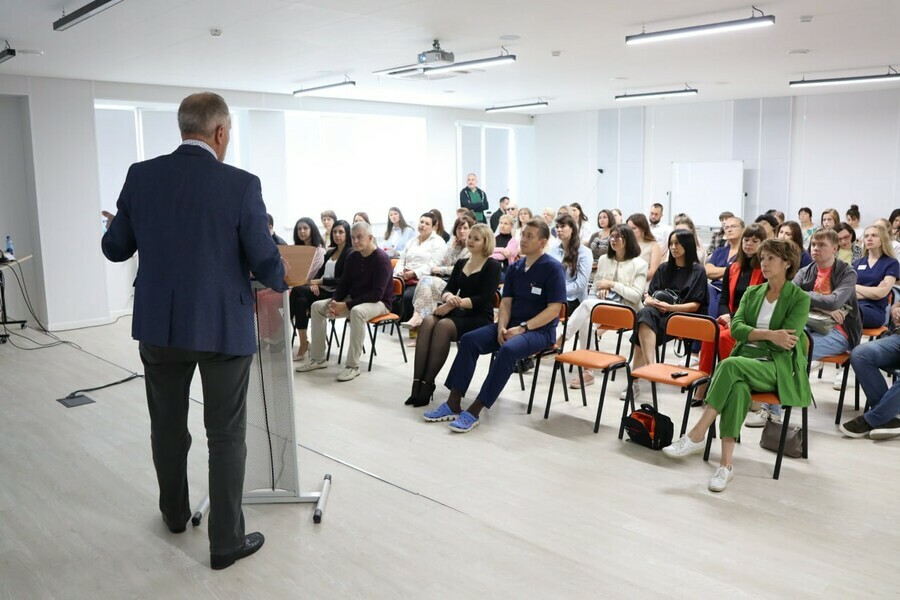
x,y
519,508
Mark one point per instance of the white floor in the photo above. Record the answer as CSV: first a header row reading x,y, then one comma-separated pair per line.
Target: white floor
x,y
521,507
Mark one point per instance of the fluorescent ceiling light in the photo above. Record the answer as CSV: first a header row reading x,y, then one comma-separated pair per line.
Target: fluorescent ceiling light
x,y
515,107
891,75
82,14
323,87
687,91
503,59
7,53
697,30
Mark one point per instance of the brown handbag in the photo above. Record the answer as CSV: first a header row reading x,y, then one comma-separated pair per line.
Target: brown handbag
x,y
771,437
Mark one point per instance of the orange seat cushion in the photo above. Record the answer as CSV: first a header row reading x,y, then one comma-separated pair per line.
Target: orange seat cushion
x,y
836,359
767,397
590,359
662,373
874,331
383,318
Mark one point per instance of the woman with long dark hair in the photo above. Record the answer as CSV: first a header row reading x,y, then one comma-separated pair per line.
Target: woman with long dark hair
x,y
848,250
576,260
582,223
599,242
439,225
621,277
307,234
397,234
678,286
790,230
321,286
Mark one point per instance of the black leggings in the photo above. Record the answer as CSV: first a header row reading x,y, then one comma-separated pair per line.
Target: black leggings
x,y
301,299
432,347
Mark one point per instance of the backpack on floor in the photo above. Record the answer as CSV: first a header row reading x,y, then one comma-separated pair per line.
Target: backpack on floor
x,y
648,427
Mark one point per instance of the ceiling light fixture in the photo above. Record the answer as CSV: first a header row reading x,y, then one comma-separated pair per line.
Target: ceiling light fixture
x,y
673,34
7,53
514,107
504,58
82,14
347,81
891,75
687,91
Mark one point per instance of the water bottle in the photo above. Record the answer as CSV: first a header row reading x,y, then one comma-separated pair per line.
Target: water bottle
x,y
9,246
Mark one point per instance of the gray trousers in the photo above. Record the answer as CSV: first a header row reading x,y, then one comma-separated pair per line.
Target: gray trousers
x,y
168,373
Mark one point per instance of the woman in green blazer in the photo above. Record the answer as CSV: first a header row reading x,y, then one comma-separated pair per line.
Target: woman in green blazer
x,y
770,355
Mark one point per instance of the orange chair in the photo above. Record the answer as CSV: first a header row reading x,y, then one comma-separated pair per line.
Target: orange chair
x,y
608,315
772,398
689,327
537,356
392,319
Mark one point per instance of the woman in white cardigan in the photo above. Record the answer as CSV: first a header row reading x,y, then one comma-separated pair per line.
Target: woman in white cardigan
x,y
421,255
621,277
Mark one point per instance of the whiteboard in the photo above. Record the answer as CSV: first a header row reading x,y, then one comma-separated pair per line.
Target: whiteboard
x,y
705,189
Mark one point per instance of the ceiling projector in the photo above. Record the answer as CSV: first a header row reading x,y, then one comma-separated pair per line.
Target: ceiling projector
x,y
436,56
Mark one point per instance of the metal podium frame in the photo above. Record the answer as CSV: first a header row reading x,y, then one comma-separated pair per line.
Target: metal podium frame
x,y
268,348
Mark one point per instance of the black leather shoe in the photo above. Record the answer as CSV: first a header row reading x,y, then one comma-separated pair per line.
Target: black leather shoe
x,y
416,388
252,543
175,528
426,395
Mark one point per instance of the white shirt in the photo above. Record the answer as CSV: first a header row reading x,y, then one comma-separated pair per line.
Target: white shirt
x,y
201,144
661,233
765,314
421,257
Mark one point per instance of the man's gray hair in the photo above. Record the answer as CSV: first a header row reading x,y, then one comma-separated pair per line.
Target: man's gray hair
x,y
361,225
200,114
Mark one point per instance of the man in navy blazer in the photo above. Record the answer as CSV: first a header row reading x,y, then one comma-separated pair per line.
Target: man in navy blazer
x,y
200,227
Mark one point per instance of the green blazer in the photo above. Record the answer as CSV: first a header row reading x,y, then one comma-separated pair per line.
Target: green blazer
x,y
791,312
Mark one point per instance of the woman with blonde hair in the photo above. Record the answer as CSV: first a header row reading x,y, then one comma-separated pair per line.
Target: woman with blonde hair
x,y
876,273
468,303
506,245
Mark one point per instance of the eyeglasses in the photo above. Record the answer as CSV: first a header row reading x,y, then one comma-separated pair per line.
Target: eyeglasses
x,y
511,209
615,238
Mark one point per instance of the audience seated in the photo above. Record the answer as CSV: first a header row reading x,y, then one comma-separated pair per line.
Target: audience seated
x,y
506,245
397,234
790,230
804,215
321,286
439,224
851,217
420,256
777,214
770,355
895,243
576,261
659,229
328,218
830,219
836,323
678,286
468,304
599,242
522,217
880,421
876,273
585,230
364,291
307,234
361,216
533,294
431,287
621,277
718,236
617,214
848,251
722,258
684,221
501,210
275,237
769,223
651,252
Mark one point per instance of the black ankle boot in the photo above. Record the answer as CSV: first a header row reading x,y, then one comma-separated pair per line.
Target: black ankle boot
x,y
426,394
413,396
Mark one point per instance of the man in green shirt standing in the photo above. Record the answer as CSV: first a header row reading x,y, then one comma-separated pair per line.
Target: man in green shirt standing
x,y
474,198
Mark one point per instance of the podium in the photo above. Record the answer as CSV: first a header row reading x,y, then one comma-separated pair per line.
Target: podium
x,y
272,472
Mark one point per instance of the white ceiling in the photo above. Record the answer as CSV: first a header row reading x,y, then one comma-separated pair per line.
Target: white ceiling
x,y
280,45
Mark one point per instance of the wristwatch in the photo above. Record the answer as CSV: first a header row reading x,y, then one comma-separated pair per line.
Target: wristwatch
x,y
524,325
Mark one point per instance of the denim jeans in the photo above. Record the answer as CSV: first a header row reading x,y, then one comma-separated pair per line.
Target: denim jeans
x,y
868,359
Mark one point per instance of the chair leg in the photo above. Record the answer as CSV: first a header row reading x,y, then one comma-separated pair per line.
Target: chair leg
x,y
373,333
581,379
574,347
602,396
343,337
709,438
687,410
625,404
784,430
521,365
653,392
837,418
549,392
537,367
805,424
402,345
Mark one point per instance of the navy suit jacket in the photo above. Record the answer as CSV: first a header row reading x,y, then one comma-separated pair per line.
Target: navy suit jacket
x,y
200,229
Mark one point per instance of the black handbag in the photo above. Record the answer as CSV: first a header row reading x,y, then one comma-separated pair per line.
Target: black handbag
x,y
771,437
667,295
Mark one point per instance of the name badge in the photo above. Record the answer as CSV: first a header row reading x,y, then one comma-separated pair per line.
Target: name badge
x,y
535,290
861,268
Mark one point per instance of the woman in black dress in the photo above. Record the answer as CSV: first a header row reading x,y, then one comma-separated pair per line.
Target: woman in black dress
x,y
468,304
679,285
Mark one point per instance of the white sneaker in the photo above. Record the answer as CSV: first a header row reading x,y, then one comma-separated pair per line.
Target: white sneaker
x,y
636,390
838,381
719,481
684,446
815,366
348,374
312,365
757,419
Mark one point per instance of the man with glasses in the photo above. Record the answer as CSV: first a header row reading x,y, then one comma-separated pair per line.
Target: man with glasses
x,y
718,237
501,210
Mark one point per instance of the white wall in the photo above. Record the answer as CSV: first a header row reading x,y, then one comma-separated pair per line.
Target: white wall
x,y
826,150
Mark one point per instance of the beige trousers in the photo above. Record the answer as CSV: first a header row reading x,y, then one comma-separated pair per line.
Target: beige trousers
x,y
359,315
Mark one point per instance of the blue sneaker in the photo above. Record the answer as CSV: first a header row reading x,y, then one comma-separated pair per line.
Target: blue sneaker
x,y
466,421
441,413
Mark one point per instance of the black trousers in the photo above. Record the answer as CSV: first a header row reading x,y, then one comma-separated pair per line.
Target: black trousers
x,y
168,373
